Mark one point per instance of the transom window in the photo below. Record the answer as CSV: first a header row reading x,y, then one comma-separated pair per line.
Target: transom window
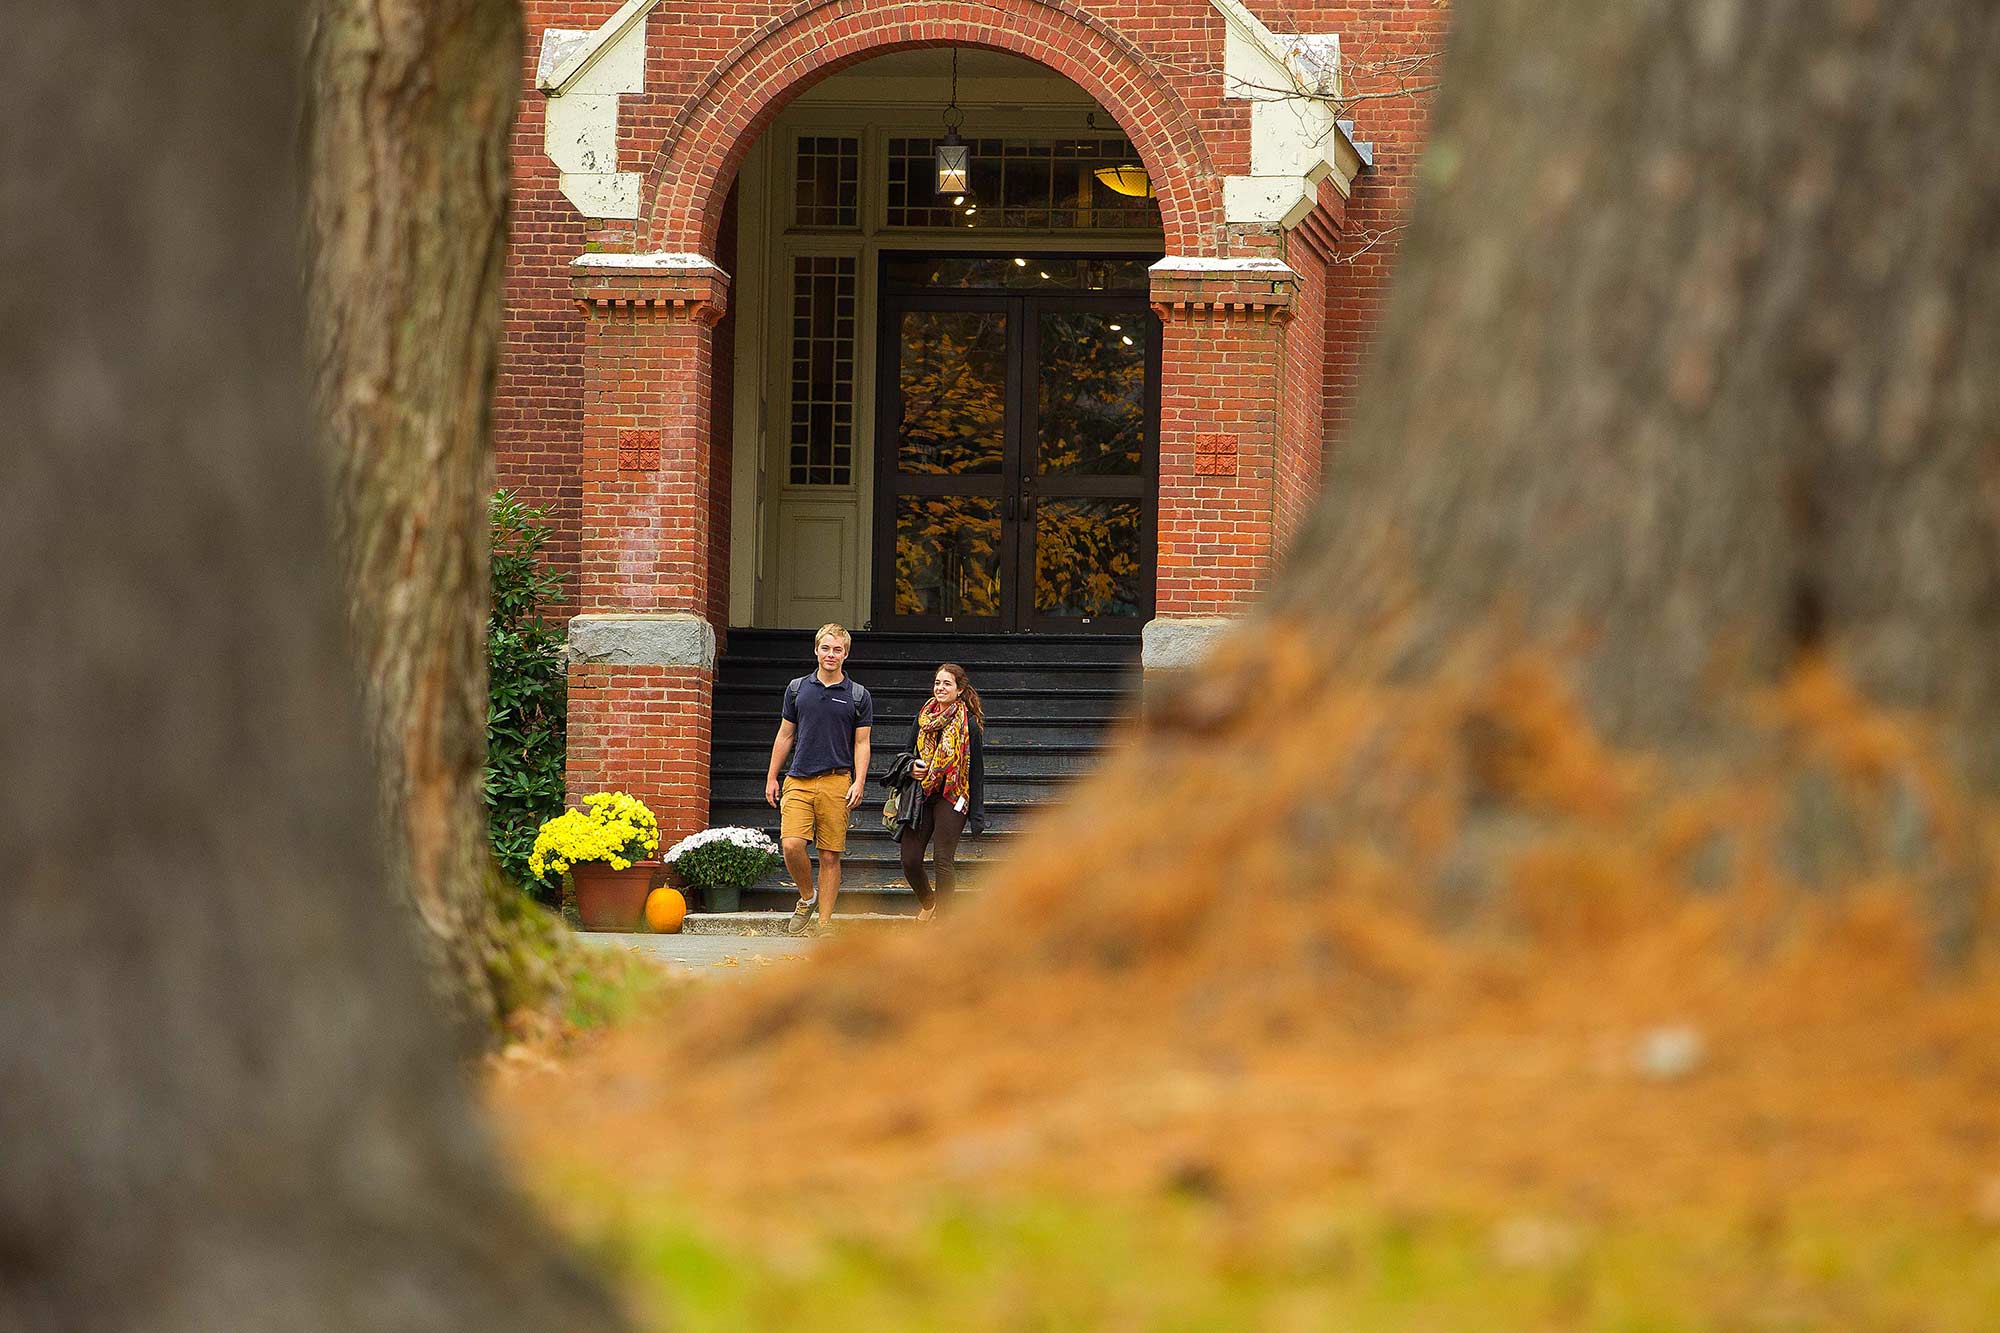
x,y
827,182
1029,183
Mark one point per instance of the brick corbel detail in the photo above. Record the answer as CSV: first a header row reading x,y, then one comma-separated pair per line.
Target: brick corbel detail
x,y
1263,292
697,294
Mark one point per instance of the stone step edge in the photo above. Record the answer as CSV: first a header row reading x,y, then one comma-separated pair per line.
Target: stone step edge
x,y
773,923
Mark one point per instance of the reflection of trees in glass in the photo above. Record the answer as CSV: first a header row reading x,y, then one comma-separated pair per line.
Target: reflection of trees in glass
x,y
1093,395
947,555
954,380
1087,557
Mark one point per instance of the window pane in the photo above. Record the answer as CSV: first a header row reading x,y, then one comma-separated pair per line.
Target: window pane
x,y
827,174
952,367
822,370
1092,394
947,555
1087,558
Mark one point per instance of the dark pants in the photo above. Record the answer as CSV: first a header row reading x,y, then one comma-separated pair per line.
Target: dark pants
x,y
945,824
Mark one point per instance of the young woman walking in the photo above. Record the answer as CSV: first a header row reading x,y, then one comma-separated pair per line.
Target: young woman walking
x,y
948,742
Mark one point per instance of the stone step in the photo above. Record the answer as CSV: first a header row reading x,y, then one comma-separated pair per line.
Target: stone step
x,y
773,922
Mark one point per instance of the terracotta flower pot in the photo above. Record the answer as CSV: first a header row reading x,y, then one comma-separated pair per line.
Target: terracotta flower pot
x,y
608,899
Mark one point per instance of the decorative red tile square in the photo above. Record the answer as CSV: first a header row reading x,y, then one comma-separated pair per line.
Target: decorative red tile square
x,y
638,450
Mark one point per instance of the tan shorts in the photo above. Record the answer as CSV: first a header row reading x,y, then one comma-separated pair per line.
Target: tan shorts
x,y
816,808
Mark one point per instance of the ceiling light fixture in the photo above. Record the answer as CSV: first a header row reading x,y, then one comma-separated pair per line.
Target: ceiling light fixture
x,y
1131,180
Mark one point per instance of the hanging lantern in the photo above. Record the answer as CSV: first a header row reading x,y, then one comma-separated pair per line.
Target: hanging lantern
x,y
954,165
954,155
1131,179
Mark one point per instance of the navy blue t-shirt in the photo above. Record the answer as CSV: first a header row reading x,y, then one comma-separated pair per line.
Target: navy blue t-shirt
x,y
826,717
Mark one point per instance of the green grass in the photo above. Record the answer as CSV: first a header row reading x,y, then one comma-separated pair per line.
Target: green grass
x,y
1177,1265
606,987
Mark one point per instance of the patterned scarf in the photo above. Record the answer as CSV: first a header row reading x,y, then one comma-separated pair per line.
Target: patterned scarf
x,y
944,743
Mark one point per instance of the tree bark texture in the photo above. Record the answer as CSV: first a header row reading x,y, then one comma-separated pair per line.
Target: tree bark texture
x,y
410,106
1691,362
226,1097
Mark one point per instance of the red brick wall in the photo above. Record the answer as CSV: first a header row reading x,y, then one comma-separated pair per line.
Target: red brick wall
x,y
1393,50
1302,421
538,400
1220,396
643,730
647,386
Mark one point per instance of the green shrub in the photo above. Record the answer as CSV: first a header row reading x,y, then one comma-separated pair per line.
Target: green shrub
x,y
528,692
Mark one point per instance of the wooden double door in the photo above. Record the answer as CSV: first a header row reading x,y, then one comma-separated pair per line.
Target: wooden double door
x,y
1017,457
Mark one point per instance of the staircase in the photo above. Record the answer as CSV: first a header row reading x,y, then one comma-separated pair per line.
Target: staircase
x,y
1049,700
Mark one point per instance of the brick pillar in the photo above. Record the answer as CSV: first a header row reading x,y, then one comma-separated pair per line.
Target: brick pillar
x,y
642,645
1221,393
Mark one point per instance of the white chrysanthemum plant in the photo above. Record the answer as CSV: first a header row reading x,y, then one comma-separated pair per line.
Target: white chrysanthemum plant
x,y
725,858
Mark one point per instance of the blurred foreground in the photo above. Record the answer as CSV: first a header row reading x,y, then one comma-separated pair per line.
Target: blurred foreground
x,y
1656,1071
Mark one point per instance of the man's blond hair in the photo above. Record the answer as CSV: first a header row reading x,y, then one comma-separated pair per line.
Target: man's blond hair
x,y
838,632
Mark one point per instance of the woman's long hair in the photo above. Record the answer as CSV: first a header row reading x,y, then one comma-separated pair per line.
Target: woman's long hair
x,y
966,692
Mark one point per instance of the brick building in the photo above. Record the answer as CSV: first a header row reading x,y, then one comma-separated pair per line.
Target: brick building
x,y
768,368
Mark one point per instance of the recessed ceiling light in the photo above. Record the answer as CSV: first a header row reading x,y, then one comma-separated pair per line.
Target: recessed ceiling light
x,y
1127,340
1116,327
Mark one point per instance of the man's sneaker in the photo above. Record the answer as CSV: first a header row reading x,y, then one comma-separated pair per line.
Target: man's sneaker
x,y
802,919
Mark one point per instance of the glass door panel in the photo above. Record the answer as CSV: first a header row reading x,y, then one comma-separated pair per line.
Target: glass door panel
x,y
948,556
1091,375
952,378
1088,558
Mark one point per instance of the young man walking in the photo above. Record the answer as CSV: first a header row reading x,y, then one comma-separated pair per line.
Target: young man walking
x,y
825,725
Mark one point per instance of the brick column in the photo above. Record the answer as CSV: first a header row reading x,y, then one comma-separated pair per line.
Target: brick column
x,y
1222,389
642,646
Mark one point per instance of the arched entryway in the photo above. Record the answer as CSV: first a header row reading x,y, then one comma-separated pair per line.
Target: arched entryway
x,y
942,409
719,122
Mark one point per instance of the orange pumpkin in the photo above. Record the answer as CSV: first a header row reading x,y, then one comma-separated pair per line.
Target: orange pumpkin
x,y
665,909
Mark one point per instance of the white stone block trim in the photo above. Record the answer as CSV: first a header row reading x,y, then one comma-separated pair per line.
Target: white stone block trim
x,y
1296,141
576,54
668,640
584,75
654,260
1194,264
1171,643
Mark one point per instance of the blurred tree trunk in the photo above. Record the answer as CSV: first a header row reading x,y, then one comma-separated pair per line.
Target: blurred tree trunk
x,y
228,1100
1691,362
408,114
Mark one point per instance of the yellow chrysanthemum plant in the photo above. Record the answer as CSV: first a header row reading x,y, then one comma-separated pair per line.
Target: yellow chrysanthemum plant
x,y
612,827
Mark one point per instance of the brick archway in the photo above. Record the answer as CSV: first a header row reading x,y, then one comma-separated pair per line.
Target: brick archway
x,y
735,102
